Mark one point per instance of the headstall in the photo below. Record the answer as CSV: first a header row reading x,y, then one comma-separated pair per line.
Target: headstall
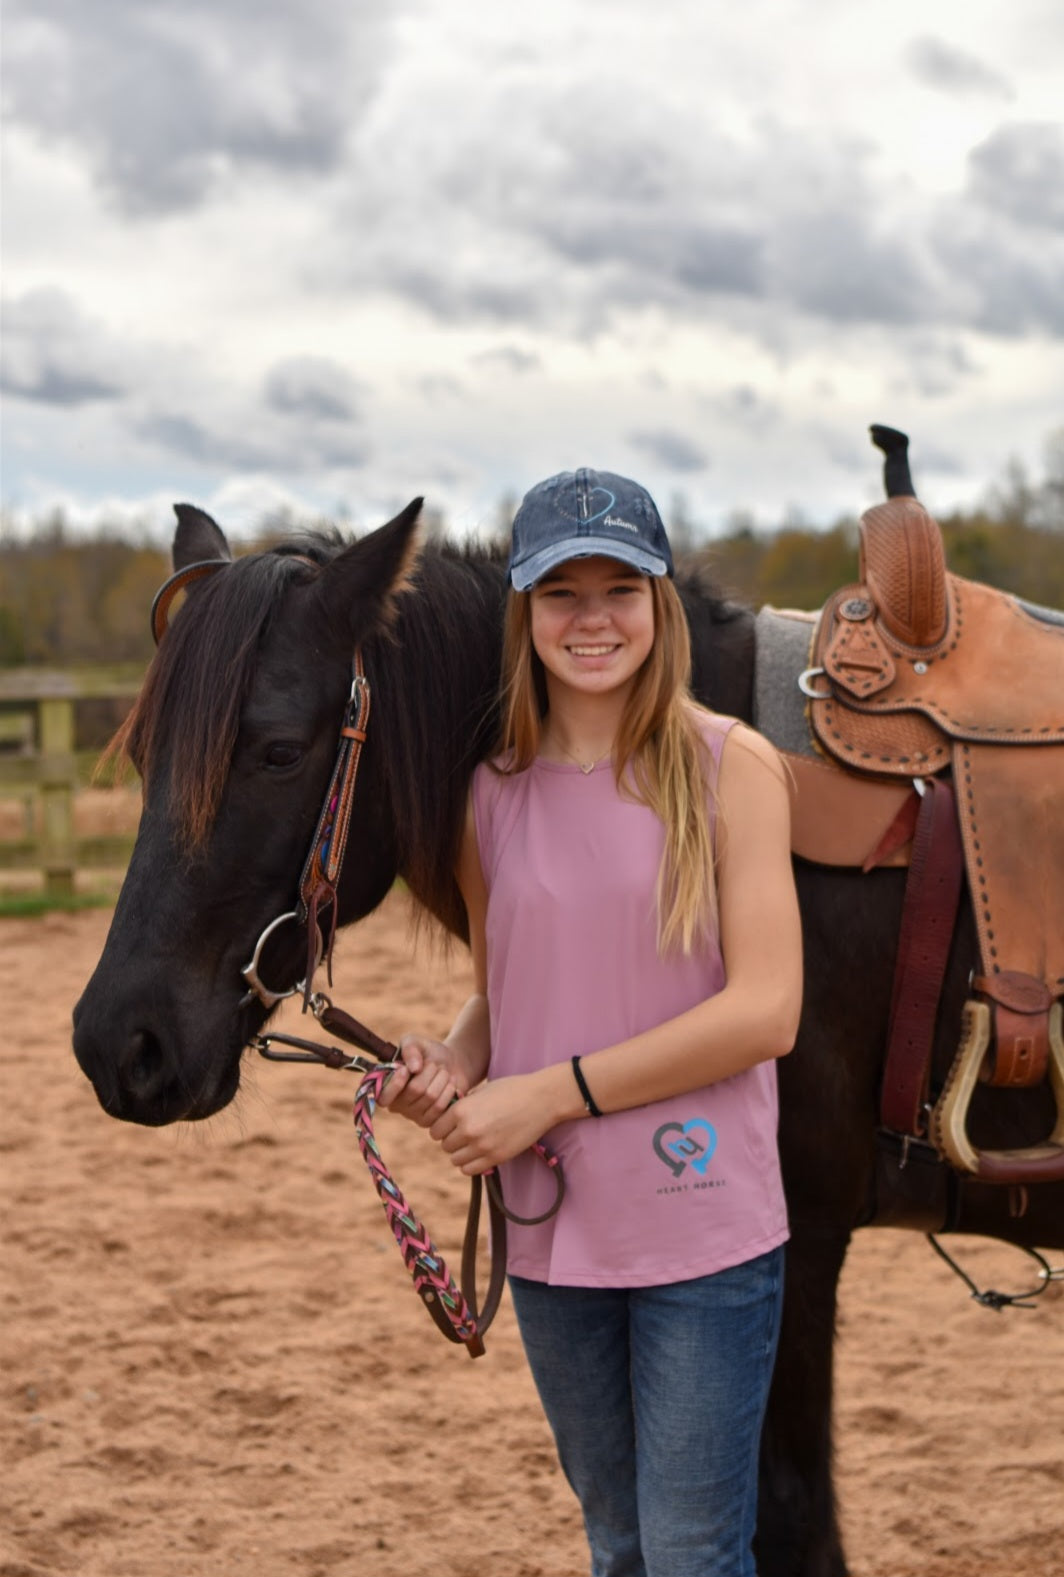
x,y
453,1305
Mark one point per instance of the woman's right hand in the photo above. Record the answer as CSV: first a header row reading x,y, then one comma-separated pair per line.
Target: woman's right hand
x,y
427,1080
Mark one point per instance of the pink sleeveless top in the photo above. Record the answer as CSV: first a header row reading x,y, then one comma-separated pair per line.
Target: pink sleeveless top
x,y
664,1192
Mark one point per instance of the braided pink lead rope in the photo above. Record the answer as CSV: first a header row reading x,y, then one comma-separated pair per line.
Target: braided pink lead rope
x,y
458,1317
432,1280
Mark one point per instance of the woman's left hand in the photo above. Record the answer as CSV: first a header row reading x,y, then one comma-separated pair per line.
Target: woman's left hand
x,y
492,1123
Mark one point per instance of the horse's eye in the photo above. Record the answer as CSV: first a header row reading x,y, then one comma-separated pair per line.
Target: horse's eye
x,y
283,755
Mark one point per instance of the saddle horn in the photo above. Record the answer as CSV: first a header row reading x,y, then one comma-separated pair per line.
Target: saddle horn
x,y
897,478
903,563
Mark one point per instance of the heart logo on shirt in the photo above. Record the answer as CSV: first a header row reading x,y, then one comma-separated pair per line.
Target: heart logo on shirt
x,y
681,1145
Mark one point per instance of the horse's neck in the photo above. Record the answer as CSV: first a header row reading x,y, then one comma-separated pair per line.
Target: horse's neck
x,y
448,654
722,652
437,683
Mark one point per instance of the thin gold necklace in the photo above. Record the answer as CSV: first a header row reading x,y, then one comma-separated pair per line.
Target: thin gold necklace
x,y
586,767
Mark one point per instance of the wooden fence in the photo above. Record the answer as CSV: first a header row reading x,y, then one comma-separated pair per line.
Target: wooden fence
x,y
41,766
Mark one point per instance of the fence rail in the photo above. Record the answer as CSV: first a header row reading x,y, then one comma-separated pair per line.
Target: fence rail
x,y
41,766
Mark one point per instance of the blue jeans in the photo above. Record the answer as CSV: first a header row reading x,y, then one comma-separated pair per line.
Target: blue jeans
x,y
656,1396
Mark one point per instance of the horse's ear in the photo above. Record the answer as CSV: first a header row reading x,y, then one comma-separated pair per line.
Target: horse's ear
x,y
358,590
197,537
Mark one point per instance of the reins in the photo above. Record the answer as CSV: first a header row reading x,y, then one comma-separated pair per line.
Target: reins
x,y
454,1306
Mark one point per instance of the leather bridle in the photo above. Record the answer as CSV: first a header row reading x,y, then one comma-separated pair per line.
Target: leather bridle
x,y
320,876
453,1305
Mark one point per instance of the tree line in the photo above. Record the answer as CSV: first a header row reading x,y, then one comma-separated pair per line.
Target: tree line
x,y
68,599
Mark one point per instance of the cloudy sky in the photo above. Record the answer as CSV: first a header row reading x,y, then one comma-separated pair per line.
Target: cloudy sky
x,y
332,253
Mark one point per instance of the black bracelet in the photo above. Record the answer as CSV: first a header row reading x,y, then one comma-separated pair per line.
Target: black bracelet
x,y
589,1099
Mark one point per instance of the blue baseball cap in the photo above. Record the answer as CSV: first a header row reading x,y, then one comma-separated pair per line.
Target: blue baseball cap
x,y
580,515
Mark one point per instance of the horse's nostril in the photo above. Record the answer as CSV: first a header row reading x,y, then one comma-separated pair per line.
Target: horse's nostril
x,y
143,1066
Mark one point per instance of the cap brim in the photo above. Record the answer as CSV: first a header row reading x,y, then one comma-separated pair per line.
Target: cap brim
x,y
524,576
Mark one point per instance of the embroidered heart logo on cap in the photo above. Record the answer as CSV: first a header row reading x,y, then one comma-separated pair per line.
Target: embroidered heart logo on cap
x,y
610,498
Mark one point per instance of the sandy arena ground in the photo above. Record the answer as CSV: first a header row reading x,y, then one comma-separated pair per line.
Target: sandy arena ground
x,y
213,1363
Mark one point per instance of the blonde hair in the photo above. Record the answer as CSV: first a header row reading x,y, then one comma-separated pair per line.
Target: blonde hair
x,y
658,740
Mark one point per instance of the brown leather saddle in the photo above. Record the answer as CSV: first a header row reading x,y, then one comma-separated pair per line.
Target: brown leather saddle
x,y
922,678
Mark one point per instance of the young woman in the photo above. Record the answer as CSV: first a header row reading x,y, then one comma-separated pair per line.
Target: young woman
x,y
635,938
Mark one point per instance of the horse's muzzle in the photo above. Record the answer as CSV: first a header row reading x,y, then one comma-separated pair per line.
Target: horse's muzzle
x,y
138,1076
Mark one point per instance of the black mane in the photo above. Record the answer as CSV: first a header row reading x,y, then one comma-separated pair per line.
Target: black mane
x,y
201,674
455,606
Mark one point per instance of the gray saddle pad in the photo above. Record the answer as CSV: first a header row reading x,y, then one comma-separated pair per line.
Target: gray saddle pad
x,y
783,639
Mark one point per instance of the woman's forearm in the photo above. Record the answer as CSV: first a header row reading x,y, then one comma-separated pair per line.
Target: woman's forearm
x,y
723,1036
469,1039
720,1037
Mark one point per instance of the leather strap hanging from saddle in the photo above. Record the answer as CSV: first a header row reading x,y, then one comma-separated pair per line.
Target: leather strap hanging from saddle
x,y
932,896
921,671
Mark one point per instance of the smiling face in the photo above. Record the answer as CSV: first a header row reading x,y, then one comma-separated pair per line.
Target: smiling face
x,y
592,625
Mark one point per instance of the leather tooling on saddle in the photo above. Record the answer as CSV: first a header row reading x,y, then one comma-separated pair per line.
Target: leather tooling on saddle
x,y
921,677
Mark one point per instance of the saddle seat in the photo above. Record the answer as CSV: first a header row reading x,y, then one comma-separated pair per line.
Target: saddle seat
x,y
917,674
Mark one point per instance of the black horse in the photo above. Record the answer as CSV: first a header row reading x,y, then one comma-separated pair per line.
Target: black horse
x,y
234,735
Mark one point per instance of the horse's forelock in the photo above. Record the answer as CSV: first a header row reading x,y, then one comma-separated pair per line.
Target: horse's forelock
x,y
192,698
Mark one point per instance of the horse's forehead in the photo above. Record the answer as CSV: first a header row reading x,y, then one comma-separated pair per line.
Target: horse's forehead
x,y
298,657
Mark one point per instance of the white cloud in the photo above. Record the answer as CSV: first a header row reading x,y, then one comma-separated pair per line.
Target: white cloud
x,y
298,251
169,100
54,353
943,65
672,451
1019,172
